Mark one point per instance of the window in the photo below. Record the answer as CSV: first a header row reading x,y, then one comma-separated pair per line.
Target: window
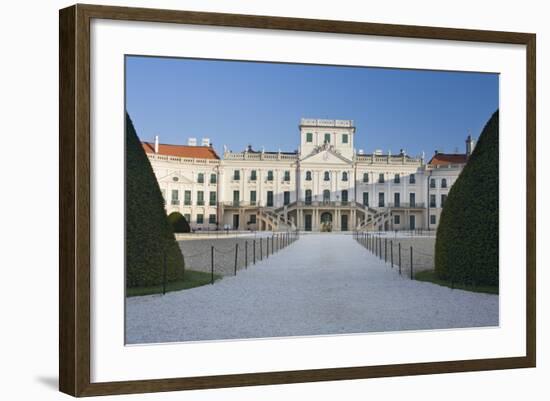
x,y
443,199
200,178
344,196
270,175
253,175
381,178
366,199
432,219
187,198
326,195
412,199
309,137
396,219
200,218
308,175
269,198
381,199
432,200
236,175
200,198
344,138
344,176
444,183
287,175
432,183
212,200
396,179
397,199
412,179
252,219
308,196
175,179
236,198
327,176
187,217
213,178
286,197
211,219
365,177
175,197
327,138
253,198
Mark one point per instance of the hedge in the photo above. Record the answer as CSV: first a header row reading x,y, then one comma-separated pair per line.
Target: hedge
x,y
466,248
149,235
178,223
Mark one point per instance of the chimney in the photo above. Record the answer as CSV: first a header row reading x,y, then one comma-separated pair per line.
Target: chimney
x,y
205,142
192,142
156,143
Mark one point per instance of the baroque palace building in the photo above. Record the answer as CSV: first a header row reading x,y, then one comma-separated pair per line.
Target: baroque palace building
x,y
326,185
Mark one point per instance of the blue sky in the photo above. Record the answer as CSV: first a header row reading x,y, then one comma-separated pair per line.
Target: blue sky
x,y
239,103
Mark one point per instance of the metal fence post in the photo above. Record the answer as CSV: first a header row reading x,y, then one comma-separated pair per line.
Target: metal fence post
x,y
267,248
254,251
272,243
412,263
261,249
212,264
236,256
391,253
400,258
245,254
164,273
385,250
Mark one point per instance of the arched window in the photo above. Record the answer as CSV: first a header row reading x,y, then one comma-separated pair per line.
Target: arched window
x,y
308,175
326,195
345,176
432,183
444,183
327,176
308,196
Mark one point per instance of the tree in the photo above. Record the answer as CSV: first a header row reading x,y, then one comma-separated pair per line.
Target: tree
x,y
149,236
466,249
179,223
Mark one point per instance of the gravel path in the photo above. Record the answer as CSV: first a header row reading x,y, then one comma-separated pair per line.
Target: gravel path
x,y
321,284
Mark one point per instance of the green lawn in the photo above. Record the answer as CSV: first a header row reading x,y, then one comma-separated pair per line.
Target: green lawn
x,y
429,276
192,279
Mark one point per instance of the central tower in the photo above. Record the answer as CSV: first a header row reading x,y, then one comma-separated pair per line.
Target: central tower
x,y
336,134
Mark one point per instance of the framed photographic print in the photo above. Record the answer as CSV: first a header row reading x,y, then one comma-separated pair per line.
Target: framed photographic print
x,y
250,200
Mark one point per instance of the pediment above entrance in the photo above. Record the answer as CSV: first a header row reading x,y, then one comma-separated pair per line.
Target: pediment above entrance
x,y
326,157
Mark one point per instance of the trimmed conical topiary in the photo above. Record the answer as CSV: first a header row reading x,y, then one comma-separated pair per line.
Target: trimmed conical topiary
x,y
466,249
149,235
178,222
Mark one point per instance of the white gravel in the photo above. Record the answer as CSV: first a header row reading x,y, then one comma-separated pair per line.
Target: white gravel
x,y
321,284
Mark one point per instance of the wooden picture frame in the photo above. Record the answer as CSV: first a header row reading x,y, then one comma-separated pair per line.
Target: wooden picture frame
x,y
74,203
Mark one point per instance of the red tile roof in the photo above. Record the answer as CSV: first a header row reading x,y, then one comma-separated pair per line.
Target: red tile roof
x,y
196,152
448,158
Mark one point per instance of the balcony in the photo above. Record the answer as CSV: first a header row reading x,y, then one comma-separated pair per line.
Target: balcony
x,y
200,203
175,202
406,205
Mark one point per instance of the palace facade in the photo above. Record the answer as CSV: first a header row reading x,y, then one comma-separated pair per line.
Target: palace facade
x,y
326,185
